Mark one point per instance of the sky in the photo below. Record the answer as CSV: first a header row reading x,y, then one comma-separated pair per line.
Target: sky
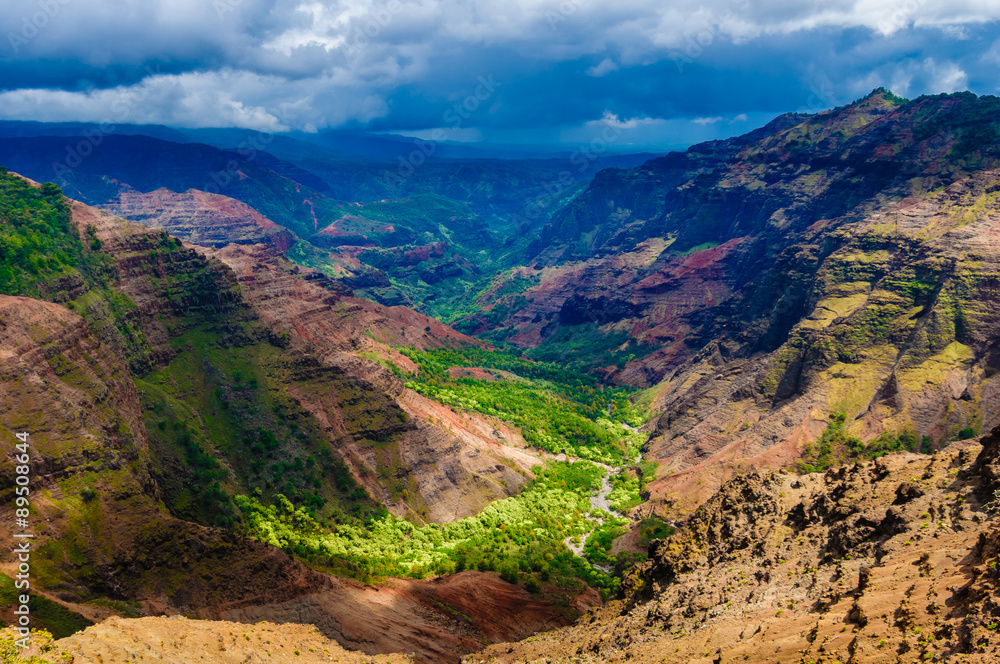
x,y
640,73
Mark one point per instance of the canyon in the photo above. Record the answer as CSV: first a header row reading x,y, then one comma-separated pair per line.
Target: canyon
x,y
776,355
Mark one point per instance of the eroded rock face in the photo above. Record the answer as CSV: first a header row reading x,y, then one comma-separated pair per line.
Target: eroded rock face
x,y
452,466
79,404
899,333
987,466
199,217
777,567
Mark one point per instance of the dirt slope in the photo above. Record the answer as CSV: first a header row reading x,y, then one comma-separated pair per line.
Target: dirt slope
x,y
439,620
178,640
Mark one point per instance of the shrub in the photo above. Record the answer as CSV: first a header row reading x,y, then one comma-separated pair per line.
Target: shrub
x,y
508,572
836,446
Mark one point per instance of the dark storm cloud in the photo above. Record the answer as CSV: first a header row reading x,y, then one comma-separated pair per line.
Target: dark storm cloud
x,y
410,65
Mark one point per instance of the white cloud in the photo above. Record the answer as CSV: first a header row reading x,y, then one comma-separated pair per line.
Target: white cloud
x,y
707,121
185,100
603,68
326,62
610,119
210,99
946,77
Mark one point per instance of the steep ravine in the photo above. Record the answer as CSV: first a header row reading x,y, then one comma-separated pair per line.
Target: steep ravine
x,y
838,262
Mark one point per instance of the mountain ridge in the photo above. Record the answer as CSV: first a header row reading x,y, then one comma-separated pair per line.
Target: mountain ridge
x,y
155,385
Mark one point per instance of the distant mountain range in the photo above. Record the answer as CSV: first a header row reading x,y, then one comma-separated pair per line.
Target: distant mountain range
x,y
336,144
330,198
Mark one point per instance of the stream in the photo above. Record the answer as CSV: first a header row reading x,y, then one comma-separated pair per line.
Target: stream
x,y
598,501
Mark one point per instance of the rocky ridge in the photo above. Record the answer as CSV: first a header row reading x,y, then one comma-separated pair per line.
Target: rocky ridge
x,y
458,463
837,263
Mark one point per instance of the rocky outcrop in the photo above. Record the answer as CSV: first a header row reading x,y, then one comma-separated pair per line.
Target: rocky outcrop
x,y
200,217
988,465
178,640
832,567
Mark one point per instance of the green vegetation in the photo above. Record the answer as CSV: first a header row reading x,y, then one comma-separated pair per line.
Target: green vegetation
x,y
45,613
836,446
893,99
230,444
515,536
231,396
653,528
585,347
556,410
625,491
215,393
628,485
38,245
12,653
435,252
597,548
699,247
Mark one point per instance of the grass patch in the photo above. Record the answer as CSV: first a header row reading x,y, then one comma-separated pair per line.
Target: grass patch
x,y
836,447
45,613
556,410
